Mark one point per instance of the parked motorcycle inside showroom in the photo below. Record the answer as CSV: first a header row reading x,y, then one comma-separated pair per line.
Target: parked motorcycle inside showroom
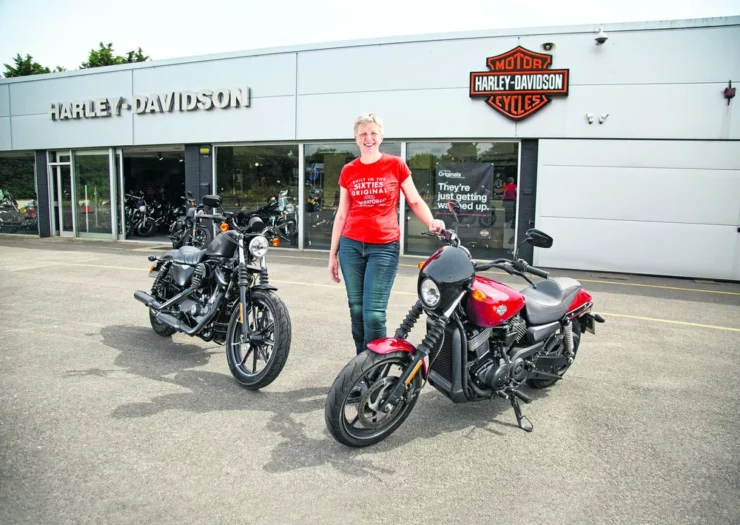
x,y
189,229
222,293
482,339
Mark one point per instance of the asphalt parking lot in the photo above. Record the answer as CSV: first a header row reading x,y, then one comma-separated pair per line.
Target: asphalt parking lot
x,y
103,421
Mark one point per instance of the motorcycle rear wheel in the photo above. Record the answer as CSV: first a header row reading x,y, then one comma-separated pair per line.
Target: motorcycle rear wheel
x,y
352,408
159,327
269,320
202,238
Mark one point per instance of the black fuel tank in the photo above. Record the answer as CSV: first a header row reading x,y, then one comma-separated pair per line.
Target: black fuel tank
x,y
224,245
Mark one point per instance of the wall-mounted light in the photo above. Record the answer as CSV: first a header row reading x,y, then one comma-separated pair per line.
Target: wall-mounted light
x,y
159,156
601,37
603,118
729,92
182,158
590,118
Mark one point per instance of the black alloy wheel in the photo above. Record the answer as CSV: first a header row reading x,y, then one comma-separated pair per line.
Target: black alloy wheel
x,y
352,411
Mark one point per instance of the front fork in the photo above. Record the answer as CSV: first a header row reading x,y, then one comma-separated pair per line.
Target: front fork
x,y
432,339
243,282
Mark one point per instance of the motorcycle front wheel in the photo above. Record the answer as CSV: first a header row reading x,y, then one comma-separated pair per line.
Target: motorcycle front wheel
x,y
256,362
352,410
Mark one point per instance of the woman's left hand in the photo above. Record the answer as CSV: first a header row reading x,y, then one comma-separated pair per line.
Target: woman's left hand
x,y
436,226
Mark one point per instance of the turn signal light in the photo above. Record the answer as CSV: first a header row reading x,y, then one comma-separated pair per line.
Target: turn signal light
x,y
275,242
420,265
224,227
479,295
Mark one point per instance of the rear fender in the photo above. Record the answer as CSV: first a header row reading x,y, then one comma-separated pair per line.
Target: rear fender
x,y
388,345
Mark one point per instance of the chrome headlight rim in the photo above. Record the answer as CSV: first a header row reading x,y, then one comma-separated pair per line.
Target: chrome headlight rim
x,y
258,246
429,293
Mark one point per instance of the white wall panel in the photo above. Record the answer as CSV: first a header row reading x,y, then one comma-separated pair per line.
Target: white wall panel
x,y
679,111
408,66
640,194
266,119
267,76
4,101
39,132
640,154
4,133
436,113
34,97
645,57
682,250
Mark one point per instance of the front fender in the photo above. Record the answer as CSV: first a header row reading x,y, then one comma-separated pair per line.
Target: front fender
x,y
388,345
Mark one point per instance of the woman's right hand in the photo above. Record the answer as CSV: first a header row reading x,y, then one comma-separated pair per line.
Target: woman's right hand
x,y
334,267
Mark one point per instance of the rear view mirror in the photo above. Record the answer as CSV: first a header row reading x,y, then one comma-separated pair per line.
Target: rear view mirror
x,y
454,207
538,238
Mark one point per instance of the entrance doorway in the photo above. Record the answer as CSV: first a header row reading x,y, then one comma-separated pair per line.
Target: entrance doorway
x,y
152,186
82,185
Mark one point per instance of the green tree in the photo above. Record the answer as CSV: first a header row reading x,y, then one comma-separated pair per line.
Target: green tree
x,y
24,67
104,56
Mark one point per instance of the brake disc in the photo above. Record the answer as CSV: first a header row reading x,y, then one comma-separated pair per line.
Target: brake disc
x,y
368,410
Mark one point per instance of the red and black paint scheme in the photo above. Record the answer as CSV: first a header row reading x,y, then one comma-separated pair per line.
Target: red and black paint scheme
x,y
483,339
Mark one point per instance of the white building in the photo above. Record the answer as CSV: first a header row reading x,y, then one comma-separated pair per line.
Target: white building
x,y
629,156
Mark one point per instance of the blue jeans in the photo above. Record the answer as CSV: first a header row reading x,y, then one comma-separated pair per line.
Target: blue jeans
x,y
369,271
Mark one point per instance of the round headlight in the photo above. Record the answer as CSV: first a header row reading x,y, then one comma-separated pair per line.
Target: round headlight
x,y
258,246
429,293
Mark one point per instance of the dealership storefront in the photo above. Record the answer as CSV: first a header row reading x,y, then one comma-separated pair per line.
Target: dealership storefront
x,y
631,166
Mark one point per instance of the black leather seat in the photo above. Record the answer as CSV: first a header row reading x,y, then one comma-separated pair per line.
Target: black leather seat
x,y
550,300
185,255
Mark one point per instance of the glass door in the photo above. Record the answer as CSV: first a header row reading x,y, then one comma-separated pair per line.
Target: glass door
x,y
66,199
83,189
92,189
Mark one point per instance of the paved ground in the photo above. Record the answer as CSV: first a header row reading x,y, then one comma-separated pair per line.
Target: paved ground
x,y
102,421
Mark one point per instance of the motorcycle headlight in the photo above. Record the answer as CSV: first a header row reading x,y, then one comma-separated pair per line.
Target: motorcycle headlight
x,y
258,246
429,293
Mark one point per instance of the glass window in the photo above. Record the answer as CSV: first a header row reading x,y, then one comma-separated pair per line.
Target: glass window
x,y
482,177
323,164
92,173
262,179
18,201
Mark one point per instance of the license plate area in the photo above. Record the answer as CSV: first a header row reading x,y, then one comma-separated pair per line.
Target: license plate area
x,y
590,324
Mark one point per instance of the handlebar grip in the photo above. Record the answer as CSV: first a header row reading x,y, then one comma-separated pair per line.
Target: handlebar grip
x,y
537,272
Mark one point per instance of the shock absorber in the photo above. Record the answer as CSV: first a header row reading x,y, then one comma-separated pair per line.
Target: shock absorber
x,y
409,322
568,338
434,335
158,282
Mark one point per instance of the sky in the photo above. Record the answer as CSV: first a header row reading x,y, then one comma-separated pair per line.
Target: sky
x,y
62,32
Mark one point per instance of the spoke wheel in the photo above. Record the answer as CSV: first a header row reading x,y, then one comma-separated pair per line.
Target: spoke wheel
x,y
255,361
353,408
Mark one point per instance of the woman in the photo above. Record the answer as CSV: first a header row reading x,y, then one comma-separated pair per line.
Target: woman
x,y
365,237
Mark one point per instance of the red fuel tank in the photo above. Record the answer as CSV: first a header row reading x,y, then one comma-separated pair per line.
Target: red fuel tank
x,y
492,303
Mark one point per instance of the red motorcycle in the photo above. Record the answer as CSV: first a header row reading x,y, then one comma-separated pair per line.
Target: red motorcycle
x,y
482,339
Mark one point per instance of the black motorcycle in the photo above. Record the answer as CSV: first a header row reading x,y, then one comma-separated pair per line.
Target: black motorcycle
x,y
222,293
189,229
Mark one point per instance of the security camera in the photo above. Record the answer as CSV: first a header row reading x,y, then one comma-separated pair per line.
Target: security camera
x,y
548,46
601,37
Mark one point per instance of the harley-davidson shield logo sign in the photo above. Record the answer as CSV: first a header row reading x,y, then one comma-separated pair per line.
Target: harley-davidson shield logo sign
x,y
519,82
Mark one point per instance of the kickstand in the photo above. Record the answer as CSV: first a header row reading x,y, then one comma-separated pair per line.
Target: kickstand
x,y
520,418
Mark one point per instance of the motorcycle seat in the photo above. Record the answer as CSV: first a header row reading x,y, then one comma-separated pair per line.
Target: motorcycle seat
x,y
185,255
550,300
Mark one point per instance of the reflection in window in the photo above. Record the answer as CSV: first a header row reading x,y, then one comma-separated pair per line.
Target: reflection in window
x,y
476,175
18,201
264,180
323,164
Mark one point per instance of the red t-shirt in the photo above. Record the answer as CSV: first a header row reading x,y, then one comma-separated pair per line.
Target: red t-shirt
x,y
373,198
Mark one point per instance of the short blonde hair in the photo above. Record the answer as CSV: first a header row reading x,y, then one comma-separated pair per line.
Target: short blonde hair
x,y
366,118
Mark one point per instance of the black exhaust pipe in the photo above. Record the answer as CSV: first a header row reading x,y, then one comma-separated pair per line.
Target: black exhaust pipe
x,y
175,323
147,299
